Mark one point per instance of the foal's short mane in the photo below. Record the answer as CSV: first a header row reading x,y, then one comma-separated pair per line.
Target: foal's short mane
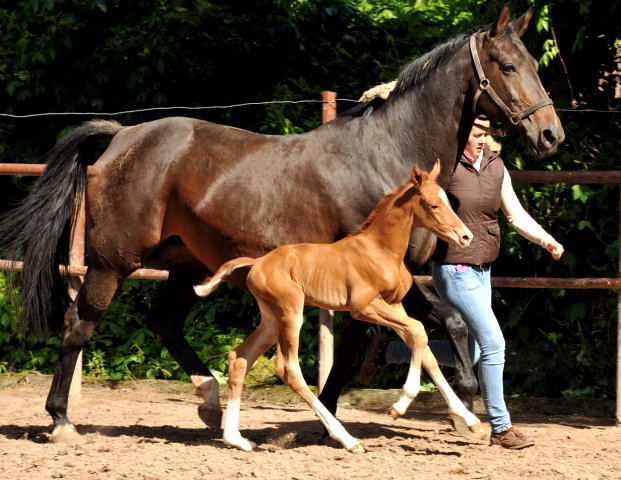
x,y
418,71
382,205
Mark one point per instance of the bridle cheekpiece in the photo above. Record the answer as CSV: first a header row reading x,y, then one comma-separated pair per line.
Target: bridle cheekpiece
x,y
486,86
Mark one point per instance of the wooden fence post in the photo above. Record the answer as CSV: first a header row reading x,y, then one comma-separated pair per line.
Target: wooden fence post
x,y
77,257
618,389
326,337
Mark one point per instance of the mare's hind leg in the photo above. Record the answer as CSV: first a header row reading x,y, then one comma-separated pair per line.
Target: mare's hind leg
x,y
240,360
80,321
288,369
166,319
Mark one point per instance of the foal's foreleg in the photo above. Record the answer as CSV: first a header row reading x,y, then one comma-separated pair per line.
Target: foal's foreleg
x,y
465,422
413,334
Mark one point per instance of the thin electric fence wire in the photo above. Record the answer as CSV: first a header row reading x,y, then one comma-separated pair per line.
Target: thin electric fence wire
x,y
223,107
152,109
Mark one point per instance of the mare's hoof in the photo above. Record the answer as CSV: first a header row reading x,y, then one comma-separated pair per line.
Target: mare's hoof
x,y
65,434
358,448
211,416
472,432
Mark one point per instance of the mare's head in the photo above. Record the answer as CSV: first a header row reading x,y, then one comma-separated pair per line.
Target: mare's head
x,y
510,77
432,209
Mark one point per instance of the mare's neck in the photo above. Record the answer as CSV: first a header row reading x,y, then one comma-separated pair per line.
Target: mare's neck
x,y
433,119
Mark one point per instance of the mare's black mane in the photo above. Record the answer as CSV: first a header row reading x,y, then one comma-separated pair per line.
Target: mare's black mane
x,y
417,71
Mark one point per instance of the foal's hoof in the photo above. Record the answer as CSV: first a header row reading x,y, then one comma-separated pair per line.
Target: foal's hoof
x,y
394,413
241,443
65,434
211,416
472,432
358,448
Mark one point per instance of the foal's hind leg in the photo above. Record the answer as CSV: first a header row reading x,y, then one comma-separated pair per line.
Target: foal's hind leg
x,y
166,320
80,320
240,360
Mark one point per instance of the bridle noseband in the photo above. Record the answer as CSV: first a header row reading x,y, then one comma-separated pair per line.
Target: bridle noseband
x,y
486,86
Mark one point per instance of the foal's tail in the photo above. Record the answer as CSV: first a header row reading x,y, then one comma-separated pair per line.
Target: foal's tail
x,y
37,231
224,271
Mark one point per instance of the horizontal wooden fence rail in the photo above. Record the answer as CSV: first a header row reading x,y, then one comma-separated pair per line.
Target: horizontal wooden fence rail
x,y
517,176
506,282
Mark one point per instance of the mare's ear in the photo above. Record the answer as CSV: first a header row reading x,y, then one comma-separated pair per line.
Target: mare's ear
x,y
435,171
502,22
521,24
416,177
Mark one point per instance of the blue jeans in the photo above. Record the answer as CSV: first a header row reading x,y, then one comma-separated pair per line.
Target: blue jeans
x,y
470,292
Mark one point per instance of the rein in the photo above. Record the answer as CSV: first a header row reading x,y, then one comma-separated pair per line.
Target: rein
x,y
486,86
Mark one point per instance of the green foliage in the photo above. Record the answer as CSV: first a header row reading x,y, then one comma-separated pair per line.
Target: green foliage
x,y
110,55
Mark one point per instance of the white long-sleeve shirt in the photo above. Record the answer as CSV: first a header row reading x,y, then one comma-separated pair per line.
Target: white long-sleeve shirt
x,y
519,218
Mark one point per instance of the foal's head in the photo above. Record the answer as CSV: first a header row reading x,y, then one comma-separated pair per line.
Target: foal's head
x,y
432,209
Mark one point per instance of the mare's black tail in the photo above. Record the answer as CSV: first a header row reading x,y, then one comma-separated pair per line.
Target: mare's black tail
x,y
37,231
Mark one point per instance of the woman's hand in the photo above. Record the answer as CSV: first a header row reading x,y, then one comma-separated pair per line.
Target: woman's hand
x,y
555,249
381,91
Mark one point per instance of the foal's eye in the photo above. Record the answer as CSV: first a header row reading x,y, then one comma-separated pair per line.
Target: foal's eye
x,y
434,207
508,68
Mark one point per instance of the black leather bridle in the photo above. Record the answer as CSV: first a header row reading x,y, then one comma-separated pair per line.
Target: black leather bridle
x,y
486,86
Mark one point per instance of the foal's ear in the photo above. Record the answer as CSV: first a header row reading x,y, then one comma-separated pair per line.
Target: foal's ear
x,y
416,177
435,171
521,24
502,22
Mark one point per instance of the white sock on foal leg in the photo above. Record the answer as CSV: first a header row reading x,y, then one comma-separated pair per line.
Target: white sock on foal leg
x,y
335,428
231,435
410,391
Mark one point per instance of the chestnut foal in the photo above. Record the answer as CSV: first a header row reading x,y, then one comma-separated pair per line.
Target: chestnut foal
x,y
363,273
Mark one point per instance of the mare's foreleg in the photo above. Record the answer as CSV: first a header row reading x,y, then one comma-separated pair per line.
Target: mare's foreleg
x,y
424,305
166,319
352,337
80,320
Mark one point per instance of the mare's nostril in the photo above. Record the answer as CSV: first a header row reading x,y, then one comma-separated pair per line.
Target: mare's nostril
x,y
549,136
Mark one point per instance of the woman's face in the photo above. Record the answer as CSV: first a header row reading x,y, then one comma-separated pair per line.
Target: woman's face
x,y
476,142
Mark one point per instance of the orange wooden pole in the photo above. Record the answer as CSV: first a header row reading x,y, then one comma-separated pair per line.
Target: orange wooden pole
x,y
326,317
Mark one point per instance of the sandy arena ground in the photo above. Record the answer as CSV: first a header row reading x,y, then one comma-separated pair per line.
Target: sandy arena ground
x,y
150,430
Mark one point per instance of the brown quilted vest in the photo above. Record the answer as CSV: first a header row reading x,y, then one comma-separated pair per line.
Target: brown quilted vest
x,y
475,197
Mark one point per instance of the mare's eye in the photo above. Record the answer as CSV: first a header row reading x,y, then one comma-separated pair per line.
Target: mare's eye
x,y
434,207
508,68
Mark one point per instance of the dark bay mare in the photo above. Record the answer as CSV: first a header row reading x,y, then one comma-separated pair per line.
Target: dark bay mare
x,y
187,195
